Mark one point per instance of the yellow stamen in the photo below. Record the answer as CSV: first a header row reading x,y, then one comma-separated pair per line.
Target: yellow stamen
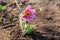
x,y
27,14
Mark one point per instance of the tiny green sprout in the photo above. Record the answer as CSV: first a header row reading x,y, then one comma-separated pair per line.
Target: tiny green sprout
x,y
10,18
2,7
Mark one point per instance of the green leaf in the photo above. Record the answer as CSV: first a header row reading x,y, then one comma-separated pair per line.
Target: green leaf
x,y
2,7
10,18
28,30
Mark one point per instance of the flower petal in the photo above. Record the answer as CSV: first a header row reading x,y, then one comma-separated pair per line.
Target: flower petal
x,y
29,19
33,10
32,15
28,8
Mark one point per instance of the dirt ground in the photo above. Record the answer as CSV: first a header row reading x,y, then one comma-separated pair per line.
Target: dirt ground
x,y
47,20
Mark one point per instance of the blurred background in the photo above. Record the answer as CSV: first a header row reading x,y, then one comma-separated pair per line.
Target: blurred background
x,y
47,20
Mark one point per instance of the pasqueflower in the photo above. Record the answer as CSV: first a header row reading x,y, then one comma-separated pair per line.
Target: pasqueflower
x,y
28,13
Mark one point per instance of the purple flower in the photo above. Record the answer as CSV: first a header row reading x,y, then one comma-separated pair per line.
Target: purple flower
x,y
28,13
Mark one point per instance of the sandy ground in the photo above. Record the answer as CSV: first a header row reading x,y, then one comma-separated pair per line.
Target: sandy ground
x,y
47,20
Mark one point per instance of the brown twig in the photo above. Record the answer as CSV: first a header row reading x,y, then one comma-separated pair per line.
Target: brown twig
x,y
17,4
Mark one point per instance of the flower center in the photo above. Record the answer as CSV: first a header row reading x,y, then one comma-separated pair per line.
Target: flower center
x,y
27,14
